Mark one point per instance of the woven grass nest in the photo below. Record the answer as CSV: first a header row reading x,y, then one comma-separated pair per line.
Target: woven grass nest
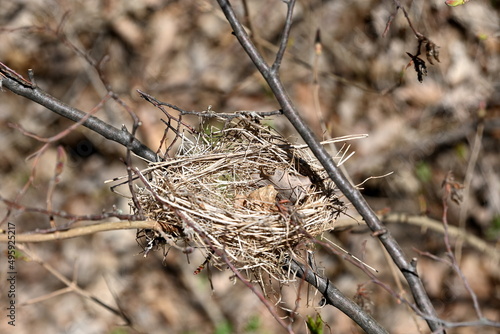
x,y
243,190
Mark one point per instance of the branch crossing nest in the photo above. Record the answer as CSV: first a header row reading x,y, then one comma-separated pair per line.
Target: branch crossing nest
x,y
241,194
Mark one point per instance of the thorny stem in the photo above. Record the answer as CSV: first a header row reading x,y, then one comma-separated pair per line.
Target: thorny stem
x,y
355,197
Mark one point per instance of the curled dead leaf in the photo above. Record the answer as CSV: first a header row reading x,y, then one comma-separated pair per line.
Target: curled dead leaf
x,y
263,198
289,186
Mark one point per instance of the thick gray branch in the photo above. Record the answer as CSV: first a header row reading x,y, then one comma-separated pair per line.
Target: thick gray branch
x,y
334,297
353,194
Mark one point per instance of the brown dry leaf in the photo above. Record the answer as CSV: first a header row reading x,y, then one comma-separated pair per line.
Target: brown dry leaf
x,y
290,187
265,194
263,198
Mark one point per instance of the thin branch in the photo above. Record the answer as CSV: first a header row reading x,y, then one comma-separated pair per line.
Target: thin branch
x,y
239,113
437,226
65,215
254,35
431,49
35,94
397,254
158,104
450,188
207,113
72,285
84,230
284,36
398,5
469,174
47,142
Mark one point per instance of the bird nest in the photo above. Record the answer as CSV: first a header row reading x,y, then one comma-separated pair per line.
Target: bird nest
x,y
243,195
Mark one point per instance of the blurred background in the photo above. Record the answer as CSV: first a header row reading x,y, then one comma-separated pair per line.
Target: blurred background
x,y
183,53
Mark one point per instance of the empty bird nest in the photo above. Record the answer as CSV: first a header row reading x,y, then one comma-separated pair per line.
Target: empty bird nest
x,y
243,195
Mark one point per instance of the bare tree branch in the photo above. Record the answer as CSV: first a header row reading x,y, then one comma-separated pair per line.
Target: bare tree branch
x,y
25,88
84,230
284,37
353,194
334,297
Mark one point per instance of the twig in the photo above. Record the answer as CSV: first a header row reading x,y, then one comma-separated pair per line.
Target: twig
x,y
84,230
370,272
158,104
249,23
450,187
318,50
471,166
401,290
431,49
72,285
437,226
236,114
284,37
123,137
65,215
398,4
289,110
